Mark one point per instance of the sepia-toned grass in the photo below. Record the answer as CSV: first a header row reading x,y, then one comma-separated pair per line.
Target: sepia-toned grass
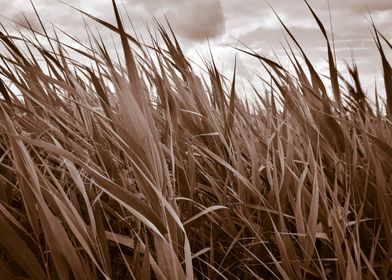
x,y
138,168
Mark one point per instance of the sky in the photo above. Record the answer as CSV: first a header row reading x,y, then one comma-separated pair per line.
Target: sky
x,y
224,24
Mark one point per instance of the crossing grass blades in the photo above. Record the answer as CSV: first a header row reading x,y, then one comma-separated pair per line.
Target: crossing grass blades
x,y
139,168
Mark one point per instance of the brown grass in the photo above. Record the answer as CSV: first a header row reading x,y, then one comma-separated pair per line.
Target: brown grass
x,y
146,171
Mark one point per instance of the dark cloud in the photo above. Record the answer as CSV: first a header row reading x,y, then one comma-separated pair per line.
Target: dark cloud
x,y
363,6
155,5
198,20
224,22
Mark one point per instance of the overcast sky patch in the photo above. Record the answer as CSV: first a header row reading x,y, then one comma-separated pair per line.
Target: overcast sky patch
x,y
224,24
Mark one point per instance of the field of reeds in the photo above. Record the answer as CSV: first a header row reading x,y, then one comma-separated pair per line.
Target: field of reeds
x,y
135,167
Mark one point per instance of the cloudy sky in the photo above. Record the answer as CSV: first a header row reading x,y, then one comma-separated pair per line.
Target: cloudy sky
x,y
226,23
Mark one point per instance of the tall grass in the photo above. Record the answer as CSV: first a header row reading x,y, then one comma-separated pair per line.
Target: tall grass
x,y
144,170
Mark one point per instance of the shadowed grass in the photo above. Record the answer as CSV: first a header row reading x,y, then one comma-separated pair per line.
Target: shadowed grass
x,y
147,171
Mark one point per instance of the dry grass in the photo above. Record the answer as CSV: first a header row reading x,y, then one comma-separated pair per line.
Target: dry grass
x,y
146,171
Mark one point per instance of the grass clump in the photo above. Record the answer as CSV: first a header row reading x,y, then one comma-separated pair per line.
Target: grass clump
x,y
144,170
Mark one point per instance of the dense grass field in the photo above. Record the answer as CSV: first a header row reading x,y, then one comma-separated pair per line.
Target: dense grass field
x,y
137,168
